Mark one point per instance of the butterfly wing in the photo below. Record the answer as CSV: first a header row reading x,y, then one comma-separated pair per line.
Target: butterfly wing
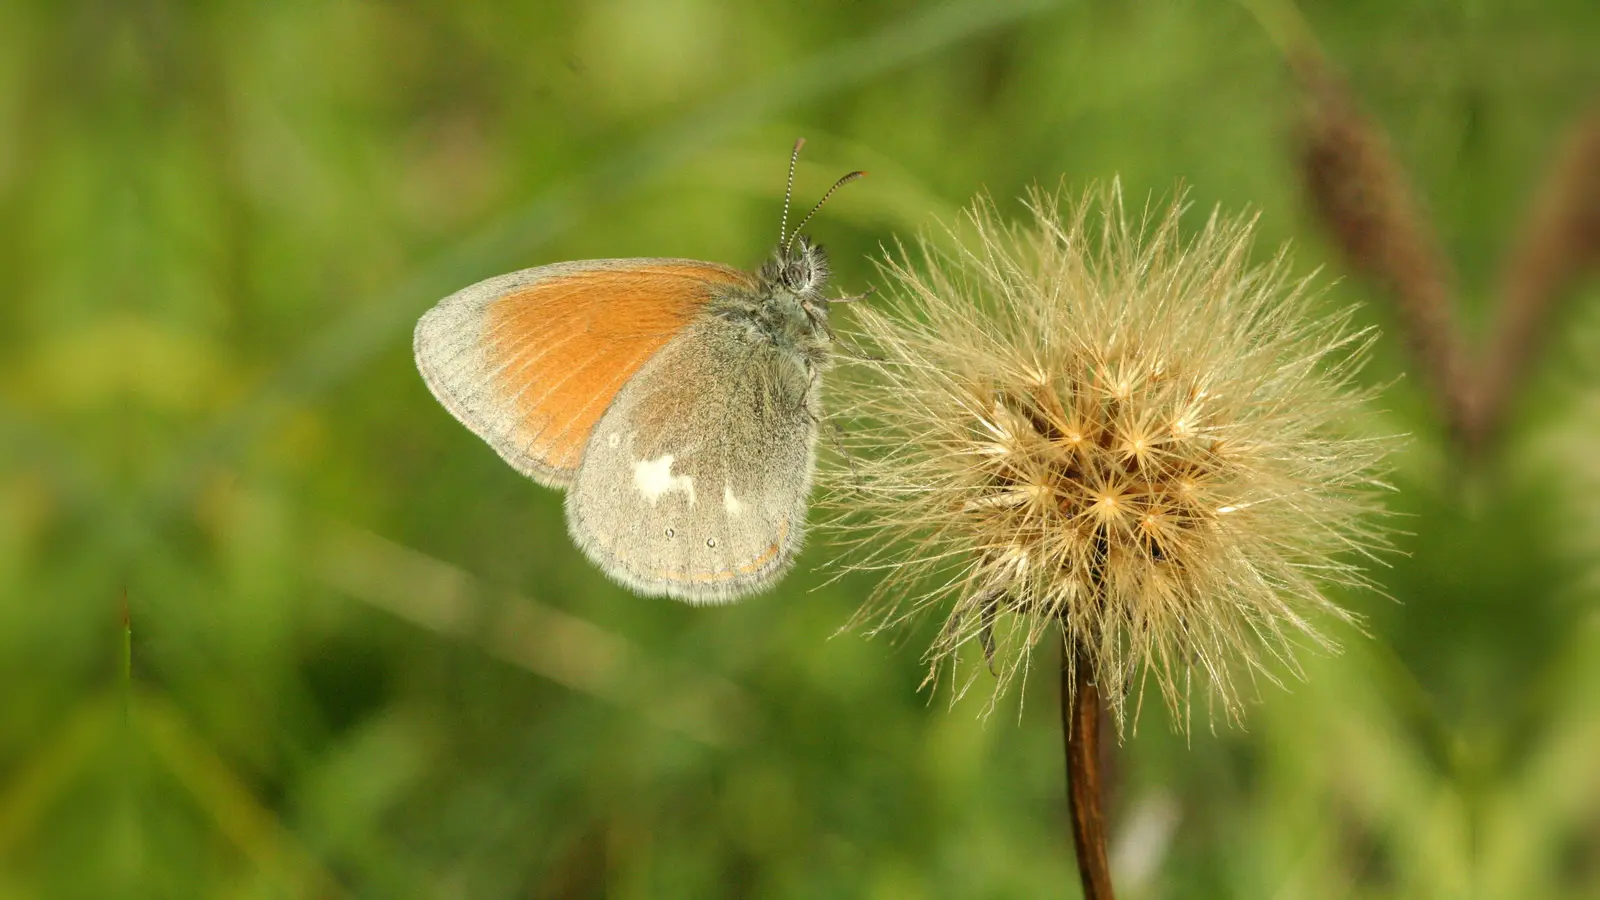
x,y
529,361
694,483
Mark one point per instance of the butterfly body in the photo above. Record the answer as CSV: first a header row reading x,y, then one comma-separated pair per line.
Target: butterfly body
x,y
678,402
694,482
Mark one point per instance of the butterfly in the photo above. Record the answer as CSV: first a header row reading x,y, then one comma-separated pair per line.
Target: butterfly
x,y
677,401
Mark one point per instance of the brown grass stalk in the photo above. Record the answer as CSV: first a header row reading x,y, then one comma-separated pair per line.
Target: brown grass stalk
x,y
1559,241
1362,196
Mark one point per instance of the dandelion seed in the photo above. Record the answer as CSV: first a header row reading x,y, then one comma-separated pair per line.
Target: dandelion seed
x,y
1086,424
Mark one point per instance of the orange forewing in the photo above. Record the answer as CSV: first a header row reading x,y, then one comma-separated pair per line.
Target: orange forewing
x,y
562,348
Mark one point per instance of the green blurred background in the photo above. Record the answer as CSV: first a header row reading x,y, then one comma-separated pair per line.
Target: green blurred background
x,y
366,662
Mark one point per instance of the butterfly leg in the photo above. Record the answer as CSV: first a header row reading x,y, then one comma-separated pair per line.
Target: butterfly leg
x,y
854,297
989,611
987,605
835,435
855,354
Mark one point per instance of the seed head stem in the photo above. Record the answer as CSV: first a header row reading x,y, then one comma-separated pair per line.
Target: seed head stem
x,y
1080,726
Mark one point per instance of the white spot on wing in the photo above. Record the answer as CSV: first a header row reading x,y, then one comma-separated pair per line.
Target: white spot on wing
x,y
653,478
730,502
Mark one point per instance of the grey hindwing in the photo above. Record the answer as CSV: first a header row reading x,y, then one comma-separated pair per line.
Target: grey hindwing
x,y
693,484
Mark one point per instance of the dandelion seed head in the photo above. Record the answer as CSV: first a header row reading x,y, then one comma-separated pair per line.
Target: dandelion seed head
x,y
1087,423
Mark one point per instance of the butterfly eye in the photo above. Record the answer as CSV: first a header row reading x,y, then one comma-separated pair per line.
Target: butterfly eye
x,y
800,274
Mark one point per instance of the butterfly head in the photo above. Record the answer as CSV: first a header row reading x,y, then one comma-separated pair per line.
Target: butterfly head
x,y
788,308
797,267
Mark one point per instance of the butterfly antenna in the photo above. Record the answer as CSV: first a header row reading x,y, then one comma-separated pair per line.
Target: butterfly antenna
x,y
849,177
788,190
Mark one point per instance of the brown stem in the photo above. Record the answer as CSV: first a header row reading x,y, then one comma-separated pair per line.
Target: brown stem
x,y
1080,725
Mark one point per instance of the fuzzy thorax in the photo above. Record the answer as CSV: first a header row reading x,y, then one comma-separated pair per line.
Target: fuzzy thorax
x,y
787,308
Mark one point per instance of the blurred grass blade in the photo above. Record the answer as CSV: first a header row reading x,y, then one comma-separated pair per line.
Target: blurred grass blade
x,y
253,828
34,782
546,641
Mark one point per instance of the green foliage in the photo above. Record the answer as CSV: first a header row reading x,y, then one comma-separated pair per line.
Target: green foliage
x,y
366,662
